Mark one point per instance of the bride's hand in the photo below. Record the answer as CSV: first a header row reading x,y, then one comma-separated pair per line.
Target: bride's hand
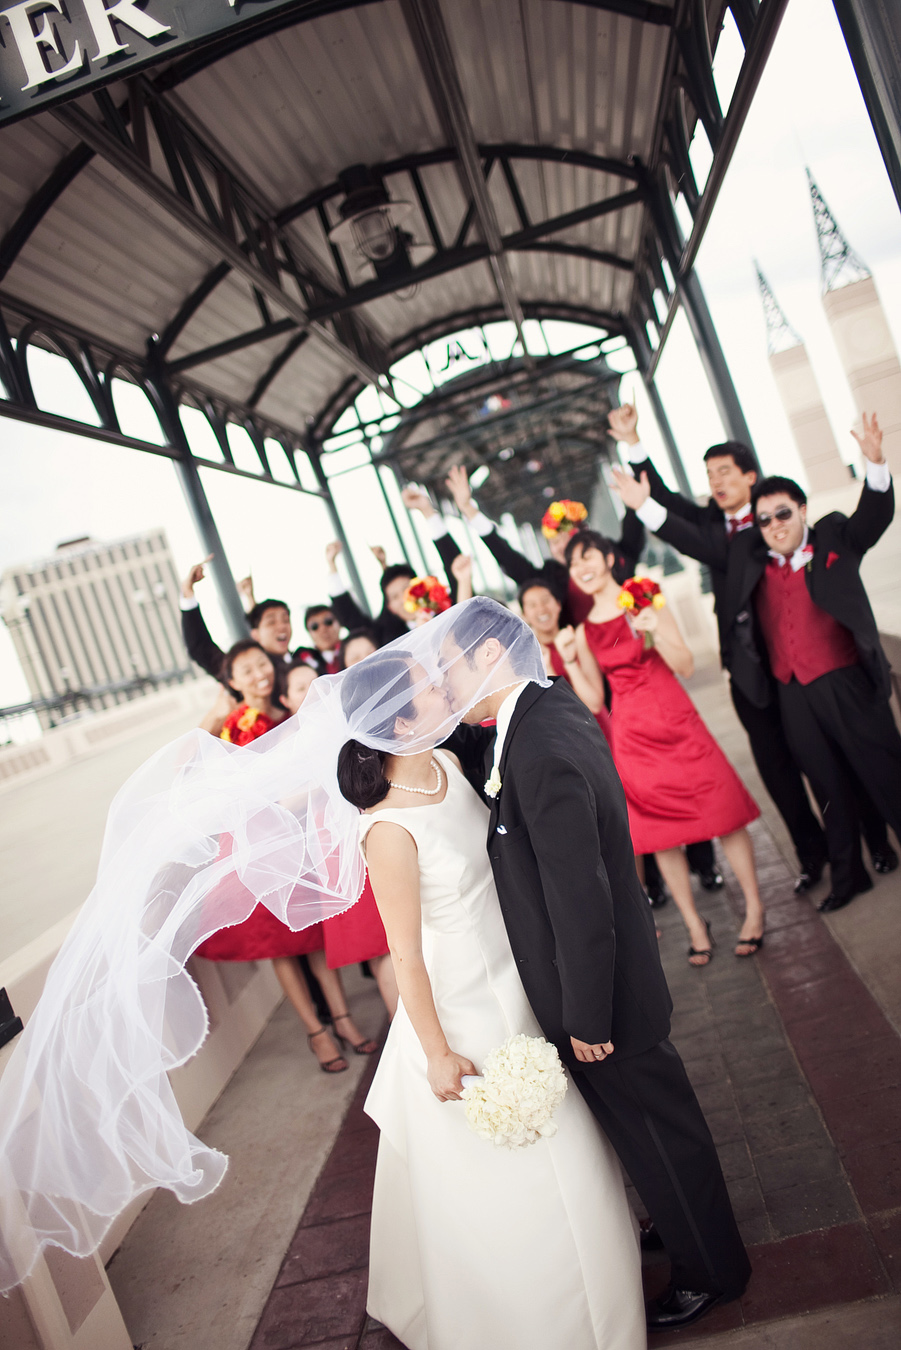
x,y
445,1072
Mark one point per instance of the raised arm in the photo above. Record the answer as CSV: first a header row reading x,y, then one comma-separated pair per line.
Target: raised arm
x,y
624,426
515,565
876,507
702,539
582,669
448,549
344,606
393,862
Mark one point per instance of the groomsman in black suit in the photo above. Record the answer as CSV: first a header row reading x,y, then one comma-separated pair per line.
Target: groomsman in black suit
x,y
813,617
709,533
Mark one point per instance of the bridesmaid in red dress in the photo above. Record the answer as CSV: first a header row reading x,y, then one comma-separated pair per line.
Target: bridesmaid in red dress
x,y
563,652
679,786
262,936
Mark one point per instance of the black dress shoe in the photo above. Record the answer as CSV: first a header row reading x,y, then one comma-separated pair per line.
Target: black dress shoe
x,y
711,881
679,1308
810,875
884,860
657,894
651,1241
836,901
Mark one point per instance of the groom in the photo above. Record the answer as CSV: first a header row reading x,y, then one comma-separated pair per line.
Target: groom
x,y
582,933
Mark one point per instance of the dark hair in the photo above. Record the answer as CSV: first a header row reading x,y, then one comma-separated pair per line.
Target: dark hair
x,y
534,584
245,645
312,610
590,539
255,615
768,487
742,454
361,776
352,637
469,632
301,661
393,572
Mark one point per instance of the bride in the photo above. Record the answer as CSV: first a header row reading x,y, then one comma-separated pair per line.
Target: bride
x,y
472,1246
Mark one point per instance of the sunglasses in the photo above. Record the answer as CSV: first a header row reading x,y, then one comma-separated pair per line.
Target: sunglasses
x,y
315,624
784,513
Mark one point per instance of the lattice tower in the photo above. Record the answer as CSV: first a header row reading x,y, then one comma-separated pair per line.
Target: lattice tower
x,y
840,264
780,335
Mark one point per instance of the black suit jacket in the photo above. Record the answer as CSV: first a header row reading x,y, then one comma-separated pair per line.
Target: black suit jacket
x,y
579,923
700,532
832,576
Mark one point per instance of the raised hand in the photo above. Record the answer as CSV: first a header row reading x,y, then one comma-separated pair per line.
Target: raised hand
x,y
245,590
457,483
623,422
196,574
645,620
380,555
566,645
331,554
634,491
462,570
414,499
871,441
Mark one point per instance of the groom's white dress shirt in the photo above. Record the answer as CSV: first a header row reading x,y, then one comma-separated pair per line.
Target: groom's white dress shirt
x,y
504,714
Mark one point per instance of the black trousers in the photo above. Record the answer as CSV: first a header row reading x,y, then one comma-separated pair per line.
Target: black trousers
x,y
836,722
781,776
648,1110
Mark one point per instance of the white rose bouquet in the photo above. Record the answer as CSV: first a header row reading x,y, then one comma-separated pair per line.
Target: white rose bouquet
x,y
520,1088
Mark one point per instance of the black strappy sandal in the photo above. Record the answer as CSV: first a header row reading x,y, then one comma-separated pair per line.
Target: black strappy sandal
x,y
754,943
327,1065
363,1047
704,951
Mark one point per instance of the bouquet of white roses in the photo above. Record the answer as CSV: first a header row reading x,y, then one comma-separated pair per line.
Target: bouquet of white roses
x,y
520,1088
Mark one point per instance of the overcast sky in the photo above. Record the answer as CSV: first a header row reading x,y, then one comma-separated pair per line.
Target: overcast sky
x,y
808,110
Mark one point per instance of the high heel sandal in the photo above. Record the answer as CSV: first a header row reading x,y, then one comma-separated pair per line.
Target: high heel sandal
x,y
704,951
327,1065
363,1047
754,943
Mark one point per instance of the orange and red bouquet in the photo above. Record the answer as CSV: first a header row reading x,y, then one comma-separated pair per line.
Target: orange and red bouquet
x,y
640,593
426,595
562,516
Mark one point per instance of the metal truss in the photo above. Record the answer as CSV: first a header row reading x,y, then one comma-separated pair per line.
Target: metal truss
x,y
839,264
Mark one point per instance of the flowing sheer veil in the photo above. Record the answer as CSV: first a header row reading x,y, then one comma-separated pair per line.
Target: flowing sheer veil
x,y
196,838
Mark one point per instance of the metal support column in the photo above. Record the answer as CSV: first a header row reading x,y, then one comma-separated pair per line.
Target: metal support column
x,y
189,476
694,302
642,359
313,454
872,31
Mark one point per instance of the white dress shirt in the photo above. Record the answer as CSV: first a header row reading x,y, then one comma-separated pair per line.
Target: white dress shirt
x,y
504,714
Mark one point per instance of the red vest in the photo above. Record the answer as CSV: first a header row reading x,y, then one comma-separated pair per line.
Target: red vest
x,y
802,640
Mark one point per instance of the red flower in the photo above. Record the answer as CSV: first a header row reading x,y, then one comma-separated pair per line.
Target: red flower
x,y
830,559
426,594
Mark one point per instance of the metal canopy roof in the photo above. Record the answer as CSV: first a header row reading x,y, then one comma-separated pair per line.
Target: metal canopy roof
x,y
174,227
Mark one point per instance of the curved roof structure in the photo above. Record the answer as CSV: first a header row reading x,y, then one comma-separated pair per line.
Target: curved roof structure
x,y
177,227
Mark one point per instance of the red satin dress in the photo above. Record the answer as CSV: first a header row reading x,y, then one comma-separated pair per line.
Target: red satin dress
x,y
261,936
680,788
356,935
603,717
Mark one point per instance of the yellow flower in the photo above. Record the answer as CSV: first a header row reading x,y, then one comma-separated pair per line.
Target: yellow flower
x,y
659,600
557,510
625,600
247,719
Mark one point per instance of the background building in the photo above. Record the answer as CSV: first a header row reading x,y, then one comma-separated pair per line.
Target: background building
x,y
95,624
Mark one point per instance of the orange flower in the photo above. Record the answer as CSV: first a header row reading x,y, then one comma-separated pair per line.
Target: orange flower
x,y
562,515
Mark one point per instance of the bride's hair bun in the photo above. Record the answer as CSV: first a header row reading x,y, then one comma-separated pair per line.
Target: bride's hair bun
x,y
361,774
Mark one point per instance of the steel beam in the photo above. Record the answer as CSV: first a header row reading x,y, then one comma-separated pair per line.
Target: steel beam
x,y
872,31
126,161
429,35
314,455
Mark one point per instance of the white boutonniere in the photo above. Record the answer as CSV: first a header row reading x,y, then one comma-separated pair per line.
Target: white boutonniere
x,y
493,783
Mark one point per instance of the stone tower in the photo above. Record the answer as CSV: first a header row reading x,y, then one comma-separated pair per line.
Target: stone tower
x,y
801,398
859,327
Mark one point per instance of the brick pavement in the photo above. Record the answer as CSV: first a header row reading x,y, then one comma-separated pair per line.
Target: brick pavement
x,y
799,1073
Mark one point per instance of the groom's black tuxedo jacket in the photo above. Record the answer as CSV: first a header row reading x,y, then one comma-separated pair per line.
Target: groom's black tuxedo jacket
x,y
578,920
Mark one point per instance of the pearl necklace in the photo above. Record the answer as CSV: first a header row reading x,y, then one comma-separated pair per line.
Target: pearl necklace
x,y
425,792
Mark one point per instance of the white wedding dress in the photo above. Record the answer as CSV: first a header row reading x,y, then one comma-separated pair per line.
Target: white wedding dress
x,y
475,1247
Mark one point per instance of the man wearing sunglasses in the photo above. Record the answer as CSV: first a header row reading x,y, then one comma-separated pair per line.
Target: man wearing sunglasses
x,y
325,635
814,619
710,533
